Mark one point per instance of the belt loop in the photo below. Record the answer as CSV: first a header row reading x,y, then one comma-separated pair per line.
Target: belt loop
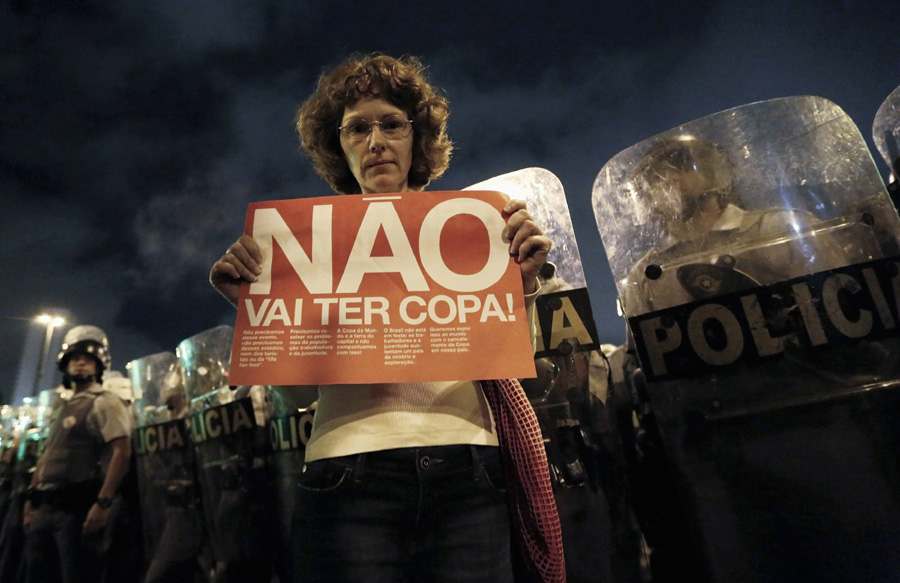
x,y
358,467
476,463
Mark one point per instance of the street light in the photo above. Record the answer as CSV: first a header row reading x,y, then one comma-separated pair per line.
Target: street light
x,y
51,322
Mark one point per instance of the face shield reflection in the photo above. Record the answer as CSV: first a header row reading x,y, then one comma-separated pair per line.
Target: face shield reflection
x,y
685,183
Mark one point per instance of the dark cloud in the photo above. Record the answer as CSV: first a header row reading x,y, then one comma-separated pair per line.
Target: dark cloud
x,y
133,133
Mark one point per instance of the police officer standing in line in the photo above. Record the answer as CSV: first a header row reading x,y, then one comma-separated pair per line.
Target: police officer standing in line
x,y
77,477
23,454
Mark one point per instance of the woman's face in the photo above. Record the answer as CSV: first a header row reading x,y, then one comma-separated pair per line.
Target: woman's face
x,y
380,164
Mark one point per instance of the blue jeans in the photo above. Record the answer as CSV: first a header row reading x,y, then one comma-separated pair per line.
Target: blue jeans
x,y
435,514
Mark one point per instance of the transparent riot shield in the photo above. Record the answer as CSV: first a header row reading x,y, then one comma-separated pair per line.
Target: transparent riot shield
x,y
170,510
8,443
886,134
30,424
9,440
569,395
36,417
228,431
290,417
755,255
12,534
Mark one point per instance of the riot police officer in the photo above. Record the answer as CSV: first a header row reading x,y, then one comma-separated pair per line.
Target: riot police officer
x,y
76,480
765,449
172,521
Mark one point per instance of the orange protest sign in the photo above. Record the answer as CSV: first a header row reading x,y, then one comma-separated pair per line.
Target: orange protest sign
x,y
406,287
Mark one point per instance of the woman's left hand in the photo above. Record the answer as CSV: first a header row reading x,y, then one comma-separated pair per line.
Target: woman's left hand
x,y
527,243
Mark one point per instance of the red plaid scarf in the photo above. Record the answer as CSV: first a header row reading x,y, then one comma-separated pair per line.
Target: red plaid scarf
x,y
528,479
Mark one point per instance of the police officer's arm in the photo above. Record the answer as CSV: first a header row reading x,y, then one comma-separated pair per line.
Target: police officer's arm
x,y
118,467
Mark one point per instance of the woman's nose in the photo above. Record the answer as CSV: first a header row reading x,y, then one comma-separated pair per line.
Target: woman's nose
x,y
376,139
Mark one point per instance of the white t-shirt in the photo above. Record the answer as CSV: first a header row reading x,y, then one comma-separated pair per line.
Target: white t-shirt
x,y
353,419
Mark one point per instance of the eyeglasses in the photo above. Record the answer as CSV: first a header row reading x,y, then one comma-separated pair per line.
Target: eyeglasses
x,y
393,127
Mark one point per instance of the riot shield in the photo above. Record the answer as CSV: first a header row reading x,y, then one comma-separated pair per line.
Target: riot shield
x,y
570,394
7,454
290,417
564,317
36,419
228,432
30,425
12,534
171,522
886,134
755,256
10,505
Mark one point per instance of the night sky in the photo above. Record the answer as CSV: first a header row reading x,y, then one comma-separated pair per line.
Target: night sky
x,y
133,133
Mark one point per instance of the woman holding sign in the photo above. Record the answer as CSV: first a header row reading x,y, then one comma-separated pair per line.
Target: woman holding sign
x,y
406,481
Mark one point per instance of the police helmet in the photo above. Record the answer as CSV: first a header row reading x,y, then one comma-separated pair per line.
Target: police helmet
x,y
678,174
89,340
685,153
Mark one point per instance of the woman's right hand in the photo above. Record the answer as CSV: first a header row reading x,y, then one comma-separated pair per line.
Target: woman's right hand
x,y
240,263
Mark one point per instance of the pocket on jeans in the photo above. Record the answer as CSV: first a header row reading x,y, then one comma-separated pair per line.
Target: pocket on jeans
x,y
323,476
492,473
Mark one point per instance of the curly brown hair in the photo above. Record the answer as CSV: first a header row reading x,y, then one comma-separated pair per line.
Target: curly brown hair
x,y
400,82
